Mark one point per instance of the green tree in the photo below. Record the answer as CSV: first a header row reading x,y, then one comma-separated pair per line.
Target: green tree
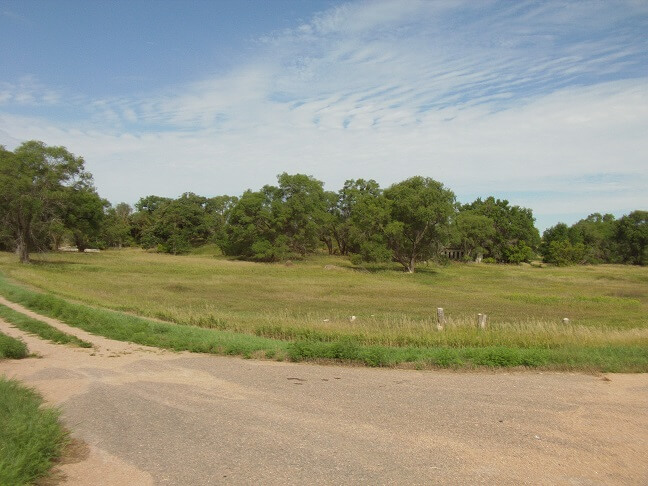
x,y
57,232
631,236
472,233
362,214
117,227
278,222
562,252
596,233
330,222
84,215
251,233
420,211
180,224
369,215
36,182
218,211
515,234
143,219
299,210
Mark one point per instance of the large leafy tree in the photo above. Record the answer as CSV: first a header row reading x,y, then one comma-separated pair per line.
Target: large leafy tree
x,y
472,233
420,210
299,210
598,239
369,215
180,224
516,237
84,216
278,222
361,216
596,233
250,232
559,247
329,222
143,219
117,227
631,236
37,185
218,210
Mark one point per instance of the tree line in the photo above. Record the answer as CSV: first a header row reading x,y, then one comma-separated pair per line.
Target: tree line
x,y
48,198
598,239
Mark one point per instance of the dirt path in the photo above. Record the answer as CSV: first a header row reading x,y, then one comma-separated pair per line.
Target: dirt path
x,y
155,417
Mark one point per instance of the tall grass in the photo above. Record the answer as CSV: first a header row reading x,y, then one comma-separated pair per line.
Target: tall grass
x,y
116,325
217,293
12,348
458,332
31,437
124,327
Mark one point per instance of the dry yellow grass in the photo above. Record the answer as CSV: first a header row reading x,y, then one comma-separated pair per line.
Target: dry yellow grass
x,y
606,304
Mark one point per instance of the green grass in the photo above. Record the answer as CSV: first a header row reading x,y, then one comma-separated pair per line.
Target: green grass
x,y
31,437
525,305
531,343
124,327
12,348
40,328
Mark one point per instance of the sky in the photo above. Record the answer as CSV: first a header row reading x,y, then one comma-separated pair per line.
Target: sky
x,y
544,104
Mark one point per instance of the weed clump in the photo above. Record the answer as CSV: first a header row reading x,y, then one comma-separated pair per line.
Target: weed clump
x,y
31,436
12,348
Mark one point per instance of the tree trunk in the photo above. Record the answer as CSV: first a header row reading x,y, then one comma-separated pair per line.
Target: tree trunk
x,y
79,240
410,266
56,242
22,250
340,243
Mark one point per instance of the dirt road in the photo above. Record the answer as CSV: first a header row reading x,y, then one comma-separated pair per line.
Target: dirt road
x,y
146,416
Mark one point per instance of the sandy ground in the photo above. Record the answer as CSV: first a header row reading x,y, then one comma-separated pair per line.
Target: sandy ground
x,y
144,416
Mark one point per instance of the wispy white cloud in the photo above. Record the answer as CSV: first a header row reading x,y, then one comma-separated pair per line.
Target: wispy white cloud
x,y
484,96
28,91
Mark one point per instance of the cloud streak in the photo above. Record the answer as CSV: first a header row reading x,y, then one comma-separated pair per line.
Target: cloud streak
x,y
488,97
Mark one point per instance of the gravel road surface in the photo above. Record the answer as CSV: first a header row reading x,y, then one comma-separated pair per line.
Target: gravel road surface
x,y
145,416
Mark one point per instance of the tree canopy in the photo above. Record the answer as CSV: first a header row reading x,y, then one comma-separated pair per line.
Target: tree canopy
x,y
515,238
40,188
47,197
598,239
420,209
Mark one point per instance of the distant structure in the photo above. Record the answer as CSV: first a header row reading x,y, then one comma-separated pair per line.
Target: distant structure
x,y
455,254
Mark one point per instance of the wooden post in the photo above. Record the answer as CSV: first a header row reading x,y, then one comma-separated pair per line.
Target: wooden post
x,y
481,321
565,320
440,319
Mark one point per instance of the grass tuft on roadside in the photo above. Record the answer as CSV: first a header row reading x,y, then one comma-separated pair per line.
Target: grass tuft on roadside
x,y
31,437
12,348
40,328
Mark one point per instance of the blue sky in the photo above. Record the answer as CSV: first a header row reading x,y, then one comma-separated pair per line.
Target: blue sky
x,y
541,103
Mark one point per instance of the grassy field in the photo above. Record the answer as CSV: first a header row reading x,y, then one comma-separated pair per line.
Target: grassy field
x,y
310,302
31,437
